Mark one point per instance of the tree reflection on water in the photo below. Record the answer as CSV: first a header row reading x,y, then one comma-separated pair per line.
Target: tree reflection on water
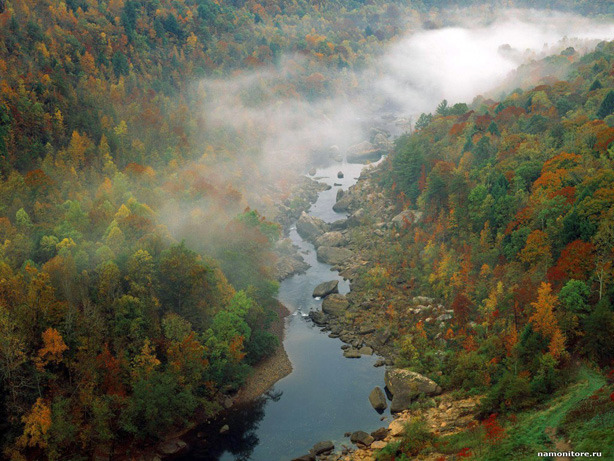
x,y
239,441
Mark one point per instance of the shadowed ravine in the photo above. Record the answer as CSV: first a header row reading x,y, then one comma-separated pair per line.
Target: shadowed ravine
x,y
326,395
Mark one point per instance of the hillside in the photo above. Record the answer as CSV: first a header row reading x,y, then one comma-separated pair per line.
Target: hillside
x,y
483,253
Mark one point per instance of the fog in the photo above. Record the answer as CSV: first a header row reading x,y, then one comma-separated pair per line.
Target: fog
x,y
458,63
263,126
262,113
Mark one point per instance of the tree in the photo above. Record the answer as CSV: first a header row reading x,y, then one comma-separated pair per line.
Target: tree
x,y
52,350
544,321
607,105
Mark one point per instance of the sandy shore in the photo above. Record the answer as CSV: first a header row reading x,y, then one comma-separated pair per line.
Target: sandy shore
x,y
270,370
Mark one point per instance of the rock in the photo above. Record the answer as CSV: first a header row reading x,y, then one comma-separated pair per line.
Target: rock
x,y
379,363
351,353
317,317
340,193
326,288
363,152
406,217
380,141
377,398
228,402
333,255
172,447
335,304
405,386
361,438
339,225
322,448
422,300
382,337
309,227
343,203
225,428
380,434
356,218
312,172
331,239
365,350
340,174
378,445
396,428
366,330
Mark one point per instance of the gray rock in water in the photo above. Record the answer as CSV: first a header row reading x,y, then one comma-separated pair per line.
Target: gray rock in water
x,y
335,304
377,398
317,317
340,174
365,350
379,363
333,255
172,447
322,447
405,386
309,227
312,171
340,193
343,203
351,354
365,151
326,288
331,239
361,438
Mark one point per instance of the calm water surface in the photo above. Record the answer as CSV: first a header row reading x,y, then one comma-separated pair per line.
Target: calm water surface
x,y
326,395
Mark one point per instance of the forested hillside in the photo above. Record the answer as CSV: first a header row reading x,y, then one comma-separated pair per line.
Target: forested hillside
x,y
517,237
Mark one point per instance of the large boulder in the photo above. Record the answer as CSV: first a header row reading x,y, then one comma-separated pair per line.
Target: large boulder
x,y
380,434
333,255
405,218
317,317
405,386
335,304
363,152
343,203
309,227
331,239
321,448
361,438
326,288
351,353
377,398
382,142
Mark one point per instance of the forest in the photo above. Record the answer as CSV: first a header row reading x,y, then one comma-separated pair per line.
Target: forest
x,y
111,316
517,238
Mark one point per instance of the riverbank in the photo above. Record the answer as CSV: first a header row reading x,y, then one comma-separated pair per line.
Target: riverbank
x,y
275,367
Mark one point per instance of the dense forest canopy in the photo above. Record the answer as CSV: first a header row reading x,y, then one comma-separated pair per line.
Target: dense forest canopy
x,y
108,320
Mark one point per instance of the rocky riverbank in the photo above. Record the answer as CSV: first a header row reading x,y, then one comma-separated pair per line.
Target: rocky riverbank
x,y
362,319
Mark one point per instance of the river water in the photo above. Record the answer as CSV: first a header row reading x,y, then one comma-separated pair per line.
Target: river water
x,y
326,395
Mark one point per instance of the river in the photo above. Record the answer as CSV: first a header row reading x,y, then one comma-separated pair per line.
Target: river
x,y
326,395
